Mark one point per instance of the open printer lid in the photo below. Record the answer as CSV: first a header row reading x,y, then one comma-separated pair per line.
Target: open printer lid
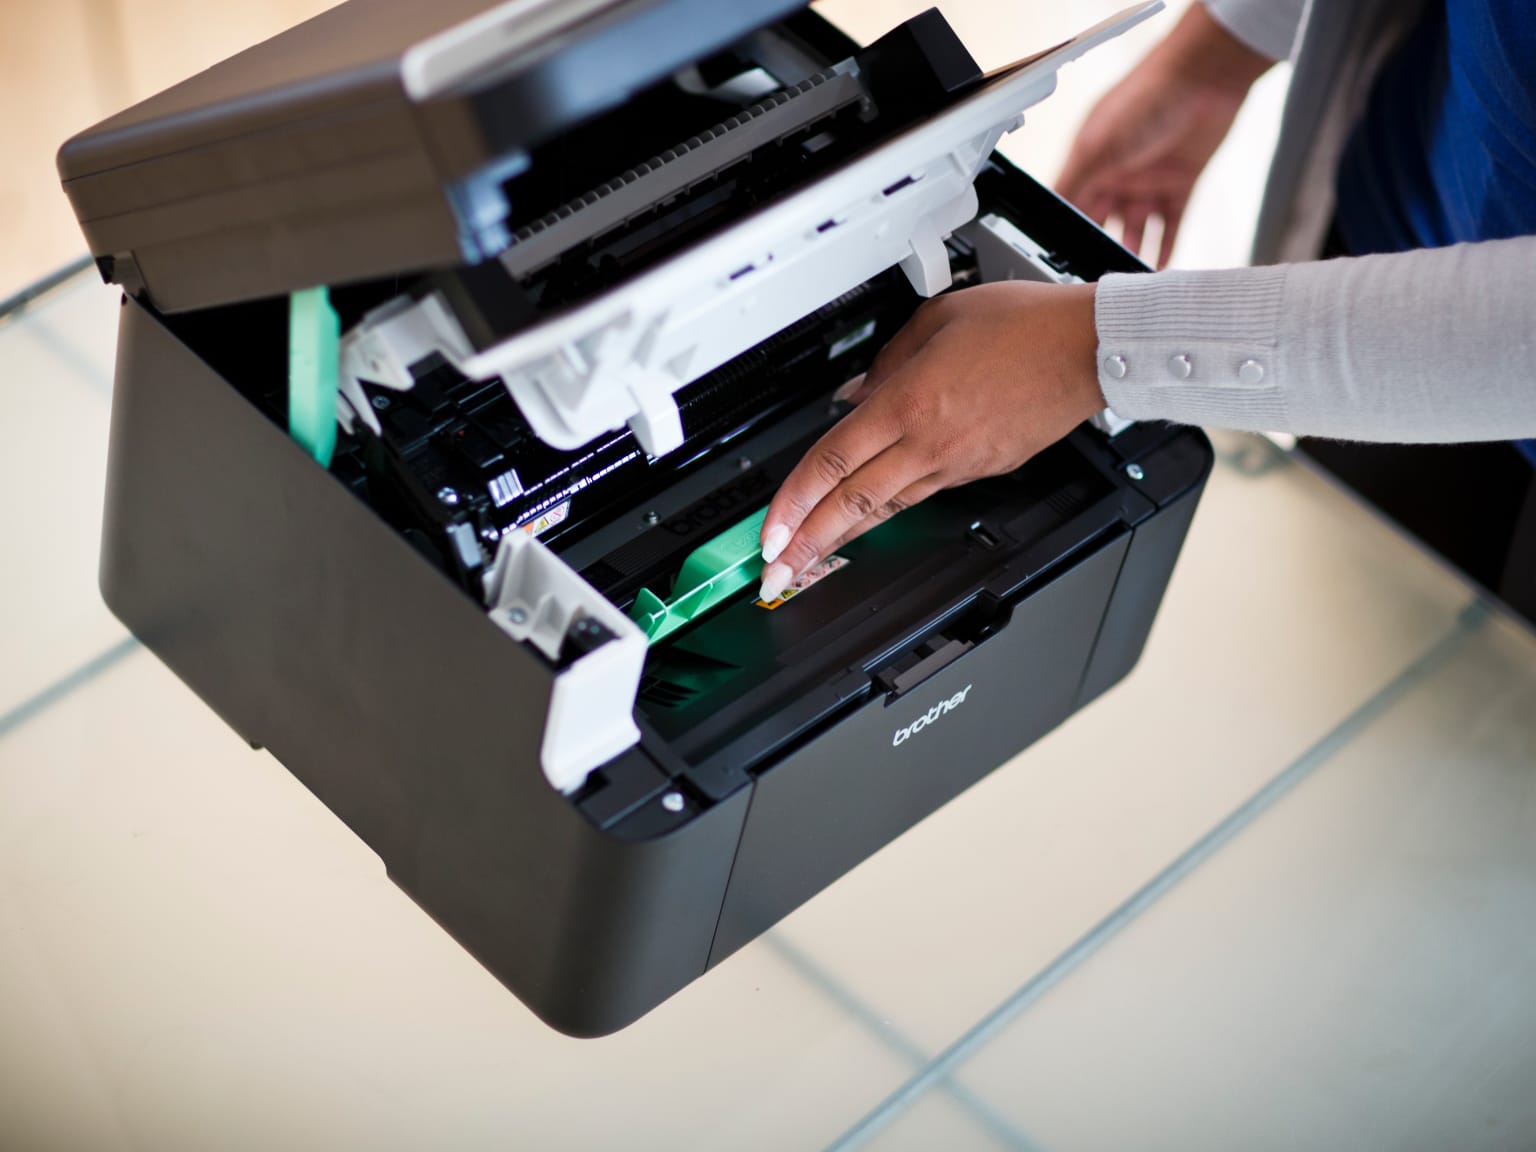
x,y
382,137
365,141
618,351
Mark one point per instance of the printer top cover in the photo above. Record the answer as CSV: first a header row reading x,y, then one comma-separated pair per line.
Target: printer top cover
x,y
358,143
390,137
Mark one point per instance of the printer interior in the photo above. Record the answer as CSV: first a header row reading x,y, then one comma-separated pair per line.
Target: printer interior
x,y
455,467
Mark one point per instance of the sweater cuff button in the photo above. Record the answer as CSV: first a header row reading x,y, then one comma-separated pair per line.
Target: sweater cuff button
x,y
1250,372
1116,367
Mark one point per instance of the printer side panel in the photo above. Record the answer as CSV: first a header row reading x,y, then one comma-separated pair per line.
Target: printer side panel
x,y
313,629
1174,476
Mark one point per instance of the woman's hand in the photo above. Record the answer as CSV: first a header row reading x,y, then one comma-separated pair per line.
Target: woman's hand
x,y
1143,147
976,383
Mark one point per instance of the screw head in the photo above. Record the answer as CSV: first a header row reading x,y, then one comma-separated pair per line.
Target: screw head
x,y
744,463
653,518
673,802
449,496
1134,471
517,615
380,402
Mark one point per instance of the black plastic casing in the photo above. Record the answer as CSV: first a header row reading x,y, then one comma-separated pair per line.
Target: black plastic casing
x,y
315,630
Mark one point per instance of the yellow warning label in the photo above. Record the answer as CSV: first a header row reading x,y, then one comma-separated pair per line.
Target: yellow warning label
x,y
815,574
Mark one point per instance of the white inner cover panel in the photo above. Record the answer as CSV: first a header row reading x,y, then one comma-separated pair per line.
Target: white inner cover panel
x,y
619,358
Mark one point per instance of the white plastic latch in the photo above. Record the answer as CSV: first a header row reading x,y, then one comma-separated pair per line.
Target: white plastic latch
x,y
928,266
657,423
382,348
535,597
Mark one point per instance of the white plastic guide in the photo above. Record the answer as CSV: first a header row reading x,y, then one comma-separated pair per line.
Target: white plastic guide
x,y
620,357
382,348
535,596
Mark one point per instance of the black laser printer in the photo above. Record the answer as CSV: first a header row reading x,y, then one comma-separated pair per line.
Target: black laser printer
x,y
462,342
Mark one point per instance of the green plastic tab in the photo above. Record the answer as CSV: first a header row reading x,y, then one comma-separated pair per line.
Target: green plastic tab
x,y
712,574
314,342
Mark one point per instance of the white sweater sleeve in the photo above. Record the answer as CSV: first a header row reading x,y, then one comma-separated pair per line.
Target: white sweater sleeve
x,y
1431,346
1268,27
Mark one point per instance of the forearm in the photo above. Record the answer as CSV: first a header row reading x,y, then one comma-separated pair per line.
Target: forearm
x,y
1430,346
1268,27
1204,52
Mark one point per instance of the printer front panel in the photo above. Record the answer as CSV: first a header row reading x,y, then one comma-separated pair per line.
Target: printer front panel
x,y
844,795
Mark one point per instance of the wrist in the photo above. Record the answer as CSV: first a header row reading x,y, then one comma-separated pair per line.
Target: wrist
x,y
1083,356
1200,54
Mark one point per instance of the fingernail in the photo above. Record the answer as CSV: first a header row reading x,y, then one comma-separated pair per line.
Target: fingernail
x,y
847,391
774,541
776,578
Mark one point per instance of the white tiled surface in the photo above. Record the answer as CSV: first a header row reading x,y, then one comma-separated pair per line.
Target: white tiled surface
x,y
1355,971
55,387
194,954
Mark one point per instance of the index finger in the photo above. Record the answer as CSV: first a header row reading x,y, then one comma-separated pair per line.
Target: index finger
x,y
851,443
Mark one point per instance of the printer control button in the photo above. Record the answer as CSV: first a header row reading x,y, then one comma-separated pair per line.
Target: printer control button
x,y
1180,367
1116,367
1250,372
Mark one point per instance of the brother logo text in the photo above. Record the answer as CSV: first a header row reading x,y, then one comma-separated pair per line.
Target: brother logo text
x,y
939,709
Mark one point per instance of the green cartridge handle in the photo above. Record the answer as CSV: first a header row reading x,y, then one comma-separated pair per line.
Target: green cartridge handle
x,y
314,338
712,574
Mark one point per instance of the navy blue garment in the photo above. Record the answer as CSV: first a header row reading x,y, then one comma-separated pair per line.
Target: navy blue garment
x,y
1446,151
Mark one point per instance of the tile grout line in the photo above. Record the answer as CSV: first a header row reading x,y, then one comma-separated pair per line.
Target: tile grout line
x,y
939,1071
26,310
64,686
15,307
984,1114
944,1065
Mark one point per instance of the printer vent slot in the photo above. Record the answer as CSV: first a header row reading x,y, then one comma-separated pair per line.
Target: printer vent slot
x,y
1070,499
665,694
675,678
632,561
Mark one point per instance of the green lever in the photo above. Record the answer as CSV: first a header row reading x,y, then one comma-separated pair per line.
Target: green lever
x,y
712,574
314,337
